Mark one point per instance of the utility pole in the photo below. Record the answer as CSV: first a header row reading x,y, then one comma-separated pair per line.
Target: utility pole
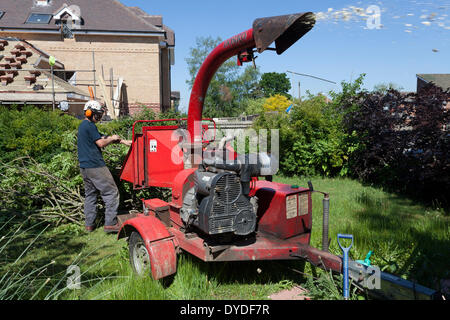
x,y
310,76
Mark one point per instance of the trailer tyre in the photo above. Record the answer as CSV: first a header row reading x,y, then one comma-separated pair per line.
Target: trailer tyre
x,y
139,256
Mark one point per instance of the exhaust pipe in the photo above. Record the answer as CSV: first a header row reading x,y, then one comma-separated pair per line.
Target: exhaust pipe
x,y
283,30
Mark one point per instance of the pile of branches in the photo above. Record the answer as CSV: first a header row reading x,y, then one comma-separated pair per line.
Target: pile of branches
x,y
404,141
29,188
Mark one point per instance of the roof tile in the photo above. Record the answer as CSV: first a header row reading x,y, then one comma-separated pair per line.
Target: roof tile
x,y
98,15
441,80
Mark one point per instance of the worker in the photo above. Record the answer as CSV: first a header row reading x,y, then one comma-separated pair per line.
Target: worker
x,y
96,175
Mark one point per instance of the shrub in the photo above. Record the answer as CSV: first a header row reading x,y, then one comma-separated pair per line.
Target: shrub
x,y
253,106
403,141
277,102
39,170
312,140
32,131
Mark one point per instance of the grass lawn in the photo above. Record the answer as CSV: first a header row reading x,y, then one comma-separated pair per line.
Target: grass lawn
x,y
407,239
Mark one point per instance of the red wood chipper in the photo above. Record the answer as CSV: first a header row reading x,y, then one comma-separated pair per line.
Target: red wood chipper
x,y
221,209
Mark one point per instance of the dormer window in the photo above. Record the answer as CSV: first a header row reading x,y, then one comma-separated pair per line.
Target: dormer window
x,y
41,3
69,16
39,18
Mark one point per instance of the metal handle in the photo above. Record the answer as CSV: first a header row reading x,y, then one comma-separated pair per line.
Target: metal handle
x,y
177,120
345,236
345,258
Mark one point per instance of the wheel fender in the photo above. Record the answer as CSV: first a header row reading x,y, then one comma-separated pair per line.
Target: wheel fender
x,y
160,244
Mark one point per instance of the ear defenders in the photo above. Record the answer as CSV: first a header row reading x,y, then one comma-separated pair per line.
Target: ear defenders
x,y
93,109
88,113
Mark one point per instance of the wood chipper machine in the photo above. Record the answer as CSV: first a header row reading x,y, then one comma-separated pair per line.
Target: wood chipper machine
x,y
224,206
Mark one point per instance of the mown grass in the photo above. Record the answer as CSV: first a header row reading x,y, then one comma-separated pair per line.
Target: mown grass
x,y
407,239
106,272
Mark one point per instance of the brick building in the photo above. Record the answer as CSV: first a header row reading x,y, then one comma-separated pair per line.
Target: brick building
x,y
115,40
441,80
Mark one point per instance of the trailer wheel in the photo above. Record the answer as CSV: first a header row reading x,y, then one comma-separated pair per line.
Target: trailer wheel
x,y
139,256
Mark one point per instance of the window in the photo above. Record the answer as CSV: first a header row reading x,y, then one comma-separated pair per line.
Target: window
x,y
42,2
1,13
39,18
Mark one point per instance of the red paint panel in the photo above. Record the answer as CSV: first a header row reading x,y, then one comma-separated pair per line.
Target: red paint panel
x,y
149,227
163,258
322,259
133,167
273,215
183,181
194,246
164,158
266,247
127,171
155,204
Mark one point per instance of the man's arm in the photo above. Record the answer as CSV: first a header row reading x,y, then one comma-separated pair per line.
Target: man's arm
x,y
126,142
106,141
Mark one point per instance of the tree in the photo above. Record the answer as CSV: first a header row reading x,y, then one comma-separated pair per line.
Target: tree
x,y
384,88
273,83
277,102
229,87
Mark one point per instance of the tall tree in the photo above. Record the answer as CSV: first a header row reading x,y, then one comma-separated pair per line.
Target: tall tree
x,y
230,85
384,88
272,83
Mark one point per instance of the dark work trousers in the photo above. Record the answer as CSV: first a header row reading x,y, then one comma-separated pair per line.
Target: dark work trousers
x,y
100,179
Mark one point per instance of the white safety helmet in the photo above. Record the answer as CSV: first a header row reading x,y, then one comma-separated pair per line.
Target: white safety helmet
x,y
93,107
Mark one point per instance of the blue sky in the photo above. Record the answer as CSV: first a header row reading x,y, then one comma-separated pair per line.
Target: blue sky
x,y
414,37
